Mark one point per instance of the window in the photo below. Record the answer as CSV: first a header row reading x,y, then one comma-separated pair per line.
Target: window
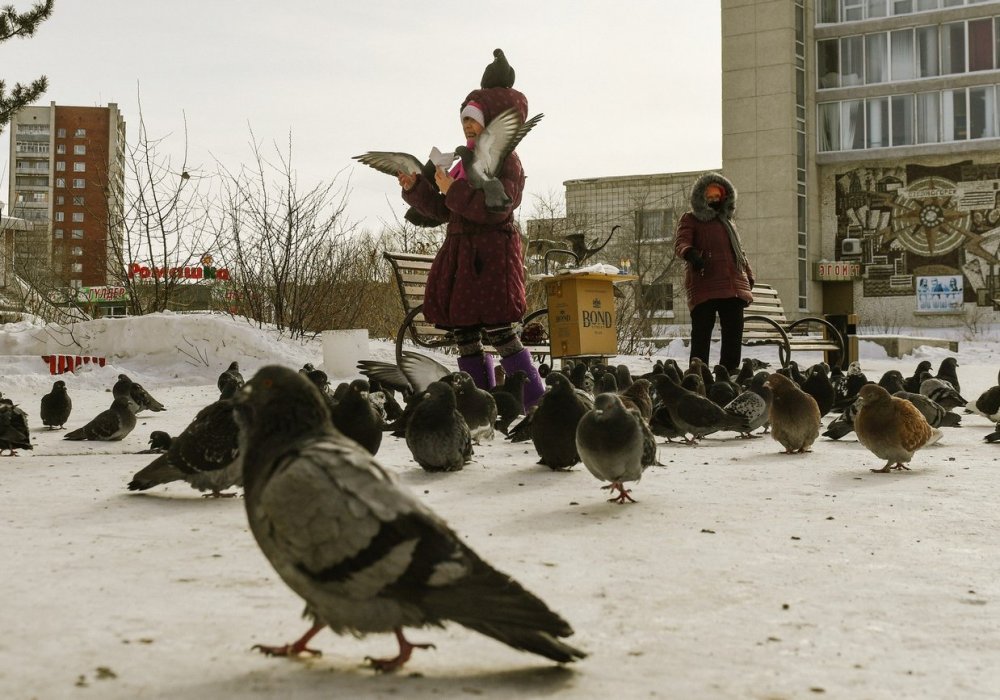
x,y
982,113
828,63
852,60
902,120
827,12
829,126
927,51
79,183
876,8
76,284
60,216
953,48
60,133
79,150
57,233
76,250
80,133
60,182
954,118
79,167
981,45
903,64
77,233
928,117
902,7
76,267
876,58
60,200
852,125
77,201
60,166
60,149
853,10
78,216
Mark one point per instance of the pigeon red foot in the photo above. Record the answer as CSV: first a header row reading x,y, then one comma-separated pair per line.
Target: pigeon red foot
x,y
623,493
406,648
889,467
296,648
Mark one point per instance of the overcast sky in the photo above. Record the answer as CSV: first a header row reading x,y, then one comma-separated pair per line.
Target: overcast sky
x,y
627,87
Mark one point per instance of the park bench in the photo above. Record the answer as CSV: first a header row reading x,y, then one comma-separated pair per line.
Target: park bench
x,y
765,323
410,271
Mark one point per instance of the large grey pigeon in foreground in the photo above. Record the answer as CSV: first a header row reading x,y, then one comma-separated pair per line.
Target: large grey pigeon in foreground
x,y
363,552
611,442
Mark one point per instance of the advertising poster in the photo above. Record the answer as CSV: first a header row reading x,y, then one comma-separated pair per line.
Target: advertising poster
x,y
940,294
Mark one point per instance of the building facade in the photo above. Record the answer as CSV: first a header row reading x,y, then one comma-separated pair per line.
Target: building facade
x,y
67,179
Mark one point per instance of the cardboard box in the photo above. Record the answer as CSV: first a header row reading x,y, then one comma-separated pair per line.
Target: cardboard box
x,y
582,314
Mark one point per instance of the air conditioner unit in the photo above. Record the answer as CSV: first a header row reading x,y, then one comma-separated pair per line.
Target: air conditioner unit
x,y
850,246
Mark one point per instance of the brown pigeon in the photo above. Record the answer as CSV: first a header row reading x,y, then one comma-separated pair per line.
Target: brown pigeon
x,y
795,419
892,428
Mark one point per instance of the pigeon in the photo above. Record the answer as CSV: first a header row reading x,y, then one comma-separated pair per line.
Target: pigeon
x,y
993,437
356,418
662,425
484,161
477,406
390,406
113,423
395,162
795,420
791,371
746,373
14,434
912,384
854,380
696,414
610,442
363,552
230,378
988,404
948,371
891,428
843,424
817,384
623,377
942,392
159,442
892,381
437,435
582,378
142,398
56,406
412,376
554,421
205,455
498,73
753,407
934,413
723,389
637,396
695,384
605,383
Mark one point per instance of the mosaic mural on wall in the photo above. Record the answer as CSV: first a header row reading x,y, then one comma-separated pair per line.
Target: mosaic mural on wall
x,y
909,222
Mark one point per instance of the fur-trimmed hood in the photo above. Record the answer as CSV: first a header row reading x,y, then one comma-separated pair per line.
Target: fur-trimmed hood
x,y
700,208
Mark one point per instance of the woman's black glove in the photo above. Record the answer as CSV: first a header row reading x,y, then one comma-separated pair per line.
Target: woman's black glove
x,y
694,259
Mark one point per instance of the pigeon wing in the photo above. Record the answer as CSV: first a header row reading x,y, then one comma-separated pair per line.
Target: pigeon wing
x,y
500,137
421,370
391,162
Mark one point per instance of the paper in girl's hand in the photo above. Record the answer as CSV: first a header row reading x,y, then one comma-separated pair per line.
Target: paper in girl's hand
x,y
441,160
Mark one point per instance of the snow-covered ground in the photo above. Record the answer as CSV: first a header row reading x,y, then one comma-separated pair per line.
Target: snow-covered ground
x,y
740,573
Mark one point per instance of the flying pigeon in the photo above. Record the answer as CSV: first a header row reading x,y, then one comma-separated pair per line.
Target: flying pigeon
x,y
610,441
56,406
437,435
485,160
113,423
795,420
365,554
205,454
891,428
498,73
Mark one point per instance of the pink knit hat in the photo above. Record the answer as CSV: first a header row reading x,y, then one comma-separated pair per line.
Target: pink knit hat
x,y
474,110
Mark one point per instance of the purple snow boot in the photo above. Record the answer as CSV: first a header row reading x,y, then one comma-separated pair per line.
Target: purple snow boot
x,y
534,387
480,367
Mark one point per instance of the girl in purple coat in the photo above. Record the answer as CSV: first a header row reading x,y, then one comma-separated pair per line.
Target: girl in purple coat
x,y
475,287
719,277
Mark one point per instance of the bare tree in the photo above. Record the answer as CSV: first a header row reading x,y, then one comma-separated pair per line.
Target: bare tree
x,y
289,246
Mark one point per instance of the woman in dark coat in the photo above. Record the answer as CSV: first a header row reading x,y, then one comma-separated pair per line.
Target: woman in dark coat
x,y
476,283
719,277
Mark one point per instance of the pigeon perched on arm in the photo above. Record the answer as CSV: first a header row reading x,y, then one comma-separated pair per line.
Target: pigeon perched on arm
x,y
891,428
484,161
56,406
365,554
